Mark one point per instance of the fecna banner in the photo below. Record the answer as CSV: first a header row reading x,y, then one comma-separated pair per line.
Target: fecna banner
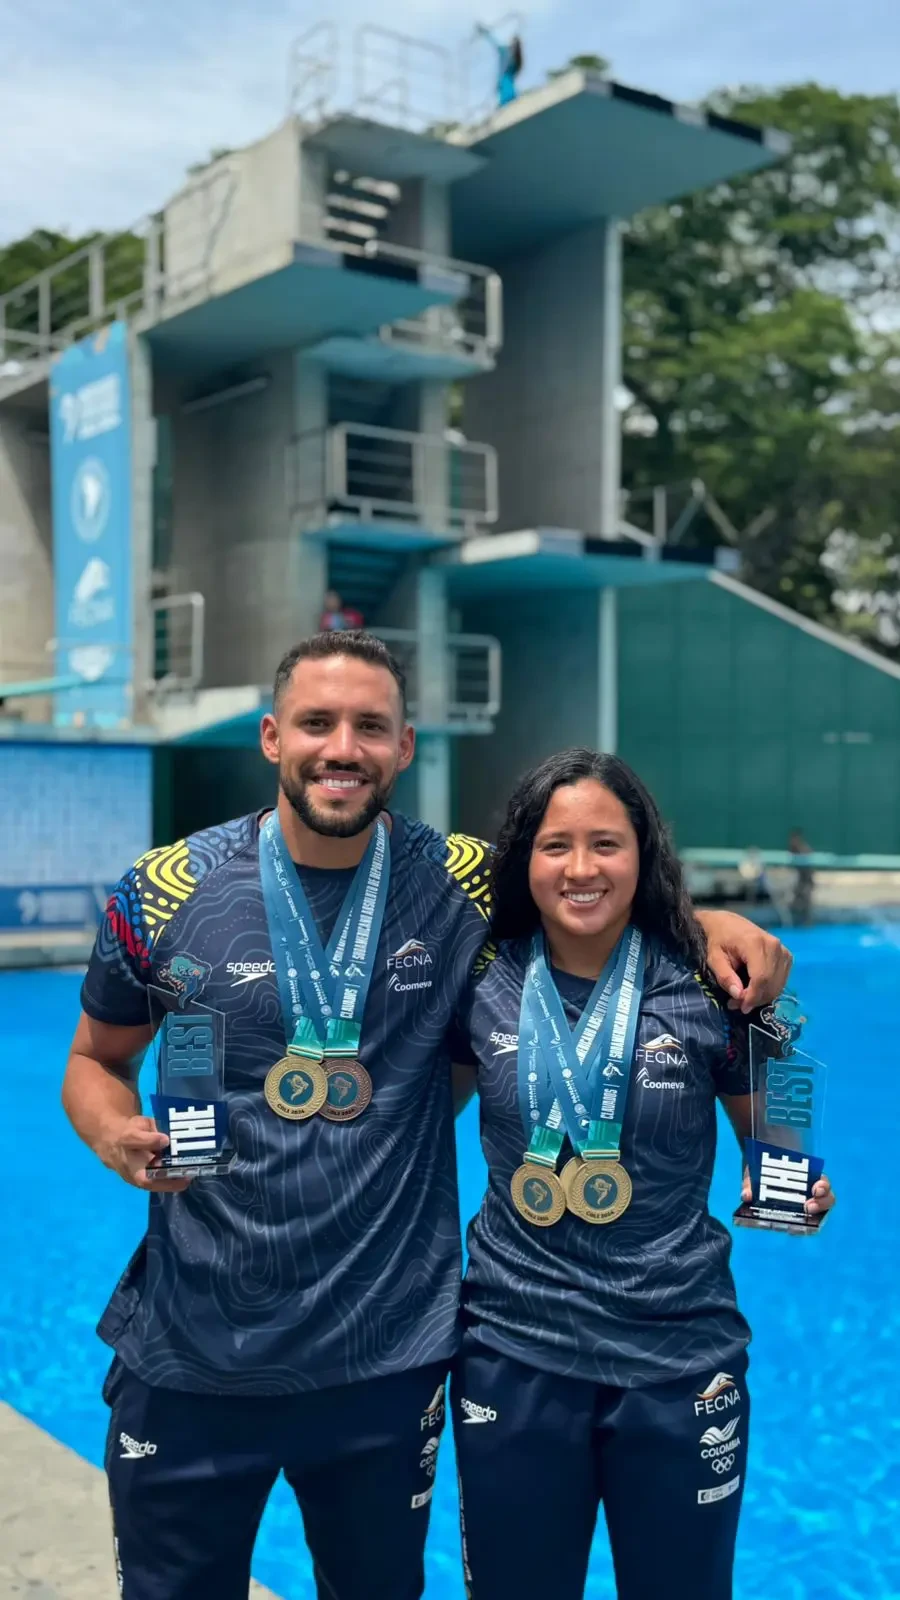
x,y
90,458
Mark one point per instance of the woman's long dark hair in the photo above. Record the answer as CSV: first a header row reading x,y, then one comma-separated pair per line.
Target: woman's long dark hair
x,y
662,906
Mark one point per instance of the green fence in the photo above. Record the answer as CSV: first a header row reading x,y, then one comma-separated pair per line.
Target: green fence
x,y
745,726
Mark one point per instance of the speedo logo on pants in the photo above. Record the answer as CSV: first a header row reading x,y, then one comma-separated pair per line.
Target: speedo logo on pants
x,y
135,1449
472,1412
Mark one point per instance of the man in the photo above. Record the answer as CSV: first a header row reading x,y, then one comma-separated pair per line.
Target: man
x,y
336,617
300,1313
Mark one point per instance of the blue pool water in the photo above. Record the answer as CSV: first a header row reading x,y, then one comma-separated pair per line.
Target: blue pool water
x,y
822,1511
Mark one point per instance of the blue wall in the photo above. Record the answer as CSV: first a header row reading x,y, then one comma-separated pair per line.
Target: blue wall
x,y
73,817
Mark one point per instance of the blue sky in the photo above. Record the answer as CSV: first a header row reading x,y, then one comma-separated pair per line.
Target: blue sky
x,y
105,105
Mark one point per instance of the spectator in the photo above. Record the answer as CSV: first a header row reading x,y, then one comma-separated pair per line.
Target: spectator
x,y
804,883
336,617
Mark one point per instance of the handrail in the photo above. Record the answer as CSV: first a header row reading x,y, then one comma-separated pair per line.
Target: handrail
x,y
478,647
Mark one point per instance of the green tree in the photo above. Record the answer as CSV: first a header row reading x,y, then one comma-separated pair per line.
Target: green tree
x,y
755,343
587,63
22,261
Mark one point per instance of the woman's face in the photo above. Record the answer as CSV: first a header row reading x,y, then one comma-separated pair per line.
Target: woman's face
x,y
585,861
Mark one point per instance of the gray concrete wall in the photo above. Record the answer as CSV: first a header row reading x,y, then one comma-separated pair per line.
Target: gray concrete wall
x,y
26,553
549,645
541,408
236,536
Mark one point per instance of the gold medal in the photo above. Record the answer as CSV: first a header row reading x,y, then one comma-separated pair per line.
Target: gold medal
x,y
537,1194
599,1191
568,1173
296,1088
349,1090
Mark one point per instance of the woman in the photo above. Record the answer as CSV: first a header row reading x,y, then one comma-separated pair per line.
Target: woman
x,y
600,1362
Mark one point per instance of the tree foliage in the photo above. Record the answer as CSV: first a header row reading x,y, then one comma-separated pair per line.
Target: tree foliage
x,y
760,348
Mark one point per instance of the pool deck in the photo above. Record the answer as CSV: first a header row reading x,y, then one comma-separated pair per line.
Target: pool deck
x,y
55,1538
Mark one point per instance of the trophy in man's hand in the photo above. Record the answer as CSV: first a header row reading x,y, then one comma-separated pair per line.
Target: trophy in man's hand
x,y
189,1105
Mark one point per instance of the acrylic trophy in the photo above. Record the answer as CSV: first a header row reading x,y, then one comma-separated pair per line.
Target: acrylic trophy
x,y
189,1105
783,1152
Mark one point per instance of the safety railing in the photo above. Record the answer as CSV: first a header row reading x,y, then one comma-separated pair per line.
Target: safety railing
x,y
84,291
177,643
391,77
473,673
313,72
473,326
385,76
377,474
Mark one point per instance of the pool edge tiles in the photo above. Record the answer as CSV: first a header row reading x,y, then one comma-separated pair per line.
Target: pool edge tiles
x,y
55,1534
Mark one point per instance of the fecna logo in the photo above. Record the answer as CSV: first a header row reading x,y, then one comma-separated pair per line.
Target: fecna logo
x,y
433,1415
472,1412
410,967
419,1500
135,1449
505,1043
663,1051
248,971
666,1041
721,1394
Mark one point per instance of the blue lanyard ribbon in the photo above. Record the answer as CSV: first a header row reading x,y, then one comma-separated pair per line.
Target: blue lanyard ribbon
x,y
588,1071
323,991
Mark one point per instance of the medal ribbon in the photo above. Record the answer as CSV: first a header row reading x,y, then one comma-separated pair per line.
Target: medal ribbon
x,y
590,1069
323,991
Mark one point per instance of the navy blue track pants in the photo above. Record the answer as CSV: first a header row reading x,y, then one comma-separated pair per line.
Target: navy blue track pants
x,y
538,1455
190,1474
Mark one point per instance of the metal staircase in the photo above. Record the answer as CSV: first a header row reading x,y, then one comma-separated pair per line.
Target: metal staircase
x,y
364,577
359,208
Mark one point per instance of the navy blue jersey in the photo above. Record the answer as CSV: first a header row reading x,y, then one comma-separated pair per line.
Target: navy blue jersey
x,y
330,1253
647,1298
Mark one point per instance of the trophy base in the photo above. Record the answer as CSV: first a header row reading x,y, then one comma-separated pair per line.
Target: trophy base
x,y
776,1219
215,1165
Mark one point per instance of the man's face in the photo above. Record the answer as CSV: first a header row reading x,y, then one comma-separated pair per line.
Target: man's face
x,y
339,741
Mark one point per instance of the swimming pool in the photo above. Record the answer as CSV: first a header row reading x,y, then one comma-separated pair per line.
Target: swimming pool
x,y
822,1510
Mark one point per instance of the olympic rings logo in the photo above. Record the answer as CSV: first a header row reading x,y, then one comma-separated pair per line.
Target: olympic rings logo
x,y
724,1464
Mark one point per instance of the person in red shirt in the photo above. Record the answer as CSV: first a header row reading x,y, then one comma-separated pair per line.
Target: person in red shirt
x,y
336,617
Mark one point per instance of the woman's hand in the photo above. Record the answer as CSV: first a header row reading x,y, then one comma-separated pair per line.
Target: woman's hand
x,y
734,946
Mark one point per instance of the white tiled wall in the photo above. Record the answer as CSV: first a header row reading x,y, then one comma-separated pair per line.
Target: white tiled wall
x,y
71,813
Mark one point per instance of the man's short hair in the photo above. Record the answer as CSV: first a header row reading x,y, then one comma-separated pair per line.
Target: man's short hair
x,y
354,642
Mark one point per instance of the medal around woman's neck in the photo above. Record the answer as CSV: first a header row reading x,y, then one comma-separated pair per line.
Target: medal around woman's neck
x,y
576,1084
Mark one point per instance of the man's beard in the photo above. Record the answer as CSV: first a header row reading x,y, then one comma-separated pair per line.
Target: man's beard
x,y
335,825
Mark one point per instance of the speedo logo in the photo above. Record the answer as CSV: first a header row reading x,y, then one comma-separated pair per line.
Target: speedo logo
x,y
505,1043
472,1412
134,1449
248,971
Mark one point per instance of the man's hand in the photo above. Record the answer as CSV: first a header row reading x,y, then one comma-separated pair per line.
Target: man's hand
x,y
734,946
823,1196
131,1147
